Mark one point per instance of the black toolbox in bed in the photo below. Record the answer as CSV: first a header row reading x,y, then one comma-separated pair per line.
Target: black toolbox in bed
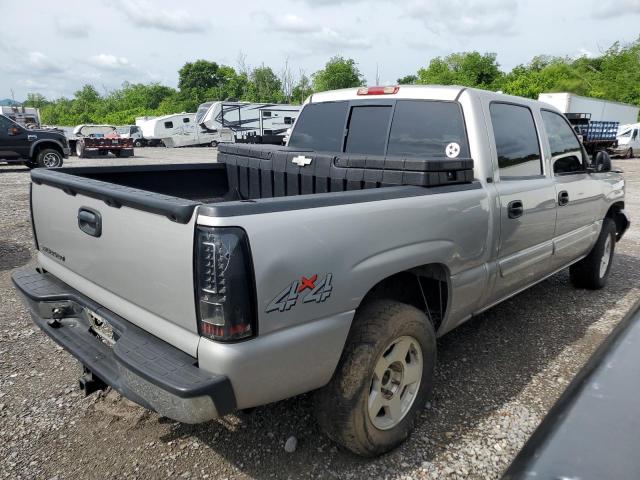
x,y
264,171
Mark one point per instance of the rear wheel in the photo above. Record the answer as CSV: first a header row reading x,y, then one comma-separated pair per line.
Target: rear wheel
x,y
80,150
629,153
383,380
214,143
593,270
49,158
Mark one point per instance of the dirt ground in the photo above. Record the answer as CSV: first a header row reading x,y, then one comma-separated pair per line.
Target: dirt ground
x,y
497,377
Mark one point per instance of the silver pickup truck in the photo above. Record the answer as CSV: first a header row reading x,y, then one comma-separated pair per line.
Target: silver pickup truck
x,y
332,264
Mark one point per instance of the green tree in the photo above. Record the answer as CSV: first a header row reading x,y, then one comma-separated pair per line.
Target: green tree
x,y
337,73
264,86
469,69
301,90
35,100
199,75
231,86
408,80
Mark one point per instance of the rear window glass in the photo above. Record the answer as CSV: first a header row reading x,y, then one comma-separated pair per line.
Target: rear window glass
x,y
320,127
367,129
425,129
419,128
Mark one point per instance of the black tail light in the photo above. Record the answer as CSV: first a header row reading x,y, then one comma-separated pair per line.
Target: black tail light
x,y
224,284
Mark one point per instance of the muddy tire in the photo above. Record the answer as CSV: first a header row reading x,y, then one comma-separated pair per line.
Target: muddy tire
x,y
593,270
383,379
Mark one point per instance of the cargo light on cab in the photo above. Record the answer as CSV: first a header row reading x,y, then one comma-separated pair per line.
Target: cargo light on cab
x,y
378,90
224,286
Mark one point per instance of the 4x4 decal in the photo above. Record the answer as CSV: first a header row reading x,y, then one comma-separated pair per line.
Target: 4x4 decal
x,y
309,289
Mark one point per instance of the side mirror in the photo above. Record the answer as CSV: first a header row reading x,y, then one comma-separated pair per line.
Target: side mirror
x,y
13,131
602,161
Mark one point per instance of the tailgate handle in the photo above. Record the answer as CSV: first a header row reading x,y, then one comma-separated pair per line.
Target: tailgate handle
x,y
90,221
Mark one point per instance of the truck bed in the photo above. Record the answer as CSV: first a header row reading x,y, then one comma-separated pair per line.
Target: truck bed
x,y
249,173
171,190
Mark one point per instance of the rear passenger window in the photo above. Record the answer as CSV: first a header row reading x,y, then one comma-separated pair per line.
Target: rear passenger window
x,y
516,141
168,124
185,120
426,128
566,151
368,128
320,127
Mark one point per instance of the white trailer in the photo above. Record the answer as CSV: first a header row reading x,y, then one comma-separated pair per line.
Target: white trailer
x,y
237,121
600,110
156,129
177,130
140,120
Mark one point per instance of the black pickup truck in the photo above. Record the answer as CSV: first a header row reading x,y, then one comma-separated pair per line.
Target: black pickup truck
x,y
34,148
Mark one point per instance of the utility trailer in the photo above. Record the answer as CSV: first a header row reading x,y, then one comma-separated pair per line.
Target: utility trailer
x,y
100,140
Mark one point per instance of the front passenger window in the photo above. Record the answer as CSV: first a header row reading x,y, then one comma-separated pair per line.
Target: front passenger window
x,y
566,151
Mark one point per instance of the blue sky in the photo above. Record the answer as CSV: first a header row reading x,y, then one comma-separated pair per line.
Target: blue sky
x,y
55,47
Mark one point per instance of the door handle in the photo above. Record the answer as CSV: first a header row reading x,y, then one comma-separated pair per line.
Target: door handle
x,y
563,198
90,221
515,209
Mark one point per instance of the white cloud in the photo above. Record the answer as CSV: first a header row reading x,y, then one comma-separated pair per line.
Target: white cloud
x,y
467,17
617,8
291,23
326,3
313,35
108,61
71,28
334,40
39,63
147,15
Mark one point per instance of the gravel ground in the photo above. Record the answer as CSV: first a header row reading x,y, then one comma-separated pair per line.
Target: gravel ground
x,y
497,377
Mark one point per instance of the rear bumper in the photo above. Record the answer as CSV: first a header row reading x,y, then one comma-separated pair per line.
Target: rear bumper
x,y
140,366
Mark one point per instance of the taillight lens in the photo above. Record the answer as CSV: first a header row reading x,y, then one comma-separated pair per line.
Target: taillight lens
x,y
224,283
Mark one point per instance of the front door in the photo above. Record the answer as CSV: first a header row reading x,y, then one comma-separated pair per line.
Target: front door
x,y
578,193
527,200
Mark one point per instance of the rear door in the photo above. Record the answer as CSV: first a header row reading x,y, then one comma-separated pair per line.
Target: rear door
x,y
140,266
578,194
527,199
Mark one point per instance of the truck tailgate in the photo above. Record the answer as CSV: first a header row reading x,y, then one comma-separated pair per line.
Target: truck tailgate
x,y
140,266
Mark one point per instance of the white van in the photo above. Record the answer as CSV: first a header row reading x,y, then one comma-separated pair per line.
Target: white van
x,y
628,140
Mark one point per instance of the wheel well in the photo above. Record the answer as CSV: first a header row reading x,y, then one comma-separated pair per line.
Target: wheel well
x,y
425,287
615,213
41,146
